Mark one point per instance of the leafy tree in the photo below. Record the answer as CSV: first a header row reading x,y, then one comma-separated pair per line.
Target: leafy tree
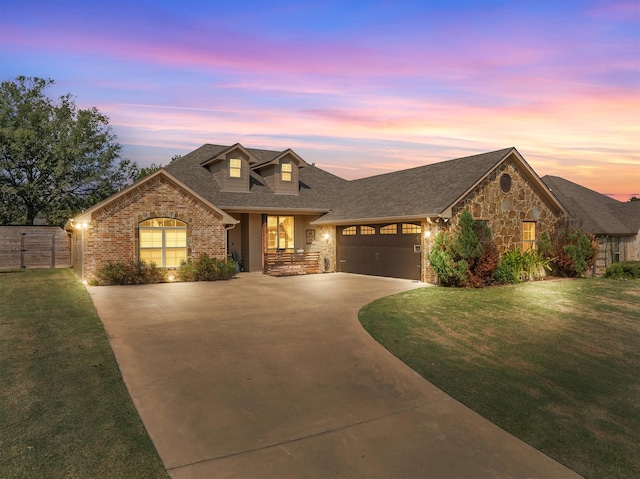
x,y
55,159
634,198
147,170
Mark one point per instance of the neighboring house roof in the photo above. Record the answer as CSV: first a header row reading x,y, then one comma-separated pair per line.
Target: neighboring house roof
x,y
425,191
594,212
318,189
85,216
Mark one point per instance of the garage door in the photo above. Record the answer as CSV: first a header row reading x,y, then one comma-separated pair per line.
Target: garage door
x,y
381,250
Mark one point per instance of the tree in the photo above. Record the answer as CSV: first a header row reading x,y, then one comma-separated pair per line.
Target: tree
x,y
55,159
634,198
147,170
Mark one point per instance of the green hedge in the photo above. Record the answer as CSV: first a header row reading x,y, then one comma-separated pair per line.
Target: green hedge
x,y
206,269
623,270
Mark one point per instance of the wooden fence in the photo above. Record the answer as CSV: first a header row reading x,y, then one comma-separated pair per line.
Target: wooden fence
x,y
287,264
34,247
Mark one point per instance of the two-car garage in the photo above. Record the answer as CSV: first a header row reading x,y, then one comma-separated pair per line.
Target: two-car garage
x,y
390,249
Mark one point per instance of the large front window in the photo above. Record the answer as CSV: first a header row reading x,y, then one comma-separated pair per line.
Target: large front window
x,y
163,241
280,232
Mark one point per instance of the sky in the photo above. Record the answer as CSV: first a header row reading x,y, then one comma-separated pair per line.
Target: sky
x,y
357,87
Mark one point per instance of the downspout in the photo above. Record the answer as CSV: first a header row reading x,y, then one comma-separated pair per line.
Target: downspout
x,y
226,239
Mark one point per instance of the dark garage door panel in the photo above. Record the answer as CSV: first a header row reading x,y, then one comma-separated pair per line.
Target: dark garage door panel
x,y
380,255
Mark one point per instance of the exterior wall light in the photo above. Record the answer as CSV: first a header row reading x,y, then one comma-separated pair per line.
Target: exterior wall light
x,y
326,236
427,234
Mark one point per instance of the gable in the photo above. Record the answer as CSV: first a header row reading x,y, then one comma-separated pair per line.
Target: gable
x,y
126,196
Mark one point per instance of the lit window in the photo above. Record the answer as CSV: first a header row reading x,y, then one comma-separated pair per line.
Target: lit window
x,y
235,168
163,241
528,235
389,229
280,232
410,228
349,231
367,230
286,171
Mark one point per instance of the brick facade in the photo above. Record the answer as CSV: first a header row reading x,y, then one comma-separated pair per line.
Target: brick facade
x,y
112,234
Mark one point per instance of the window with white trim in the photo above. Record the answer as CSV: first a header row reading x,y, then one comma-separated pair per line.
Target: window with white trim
x,y
235,168
163,241
528,235
286,170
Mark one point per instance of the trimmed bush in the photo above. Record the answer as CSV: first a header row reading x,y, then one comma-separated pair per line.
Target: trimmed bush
x,y
128,272
206,269
623,270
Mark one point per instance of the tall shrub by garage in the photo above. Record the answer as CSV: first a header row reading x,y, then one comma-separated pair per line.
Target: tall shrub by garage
x,y
465,256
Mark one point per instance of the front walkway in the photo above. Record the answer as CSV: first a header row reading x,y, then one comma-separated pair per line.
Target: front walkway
x,y
274,377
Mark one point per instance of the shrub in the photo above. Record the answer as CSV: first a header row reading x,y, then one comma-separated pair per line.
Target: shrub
x,y
572,250
467,256
128,272
206,269
623,270
517,266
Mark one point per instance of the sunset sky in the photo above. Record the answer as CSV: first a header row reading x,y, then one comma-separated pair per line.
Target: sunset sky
x,y
358,87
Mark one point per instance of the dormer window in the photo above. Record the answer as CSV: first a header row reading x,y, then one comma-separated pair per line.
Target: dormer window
x,y
286,171
235,168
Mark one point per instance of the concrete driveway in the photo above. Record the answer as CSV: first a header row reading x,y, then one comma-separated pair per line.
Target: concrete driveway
x,y
274,377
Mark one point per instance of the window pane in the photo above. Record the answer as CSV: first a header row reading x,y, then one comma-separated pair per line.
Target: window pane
x,y
286,232
175,238
173,256
152,256
272,232
350,231
286,167
389,229
367,230
235,168
151,238
410,228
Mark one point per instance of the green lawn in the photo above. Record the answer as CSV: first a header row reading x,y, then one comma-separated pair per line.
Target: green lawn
x,y
64,409
556,363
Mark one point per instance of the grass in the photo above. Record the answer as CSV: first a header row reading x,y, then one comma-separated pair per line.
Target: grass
x,y
555,363
64,409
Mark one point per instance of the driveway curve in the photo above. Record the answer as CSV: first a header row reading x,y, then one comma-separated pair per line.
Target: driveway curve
x,y
275,377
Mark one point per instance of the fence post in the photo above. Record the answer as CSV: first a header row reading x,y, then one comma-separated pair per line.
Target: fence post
x,y
22,235
53,249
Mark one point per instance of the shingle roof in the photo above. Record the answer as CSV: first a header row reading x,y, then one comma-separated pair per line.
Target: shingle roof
x,y
318,188
595,213
416,192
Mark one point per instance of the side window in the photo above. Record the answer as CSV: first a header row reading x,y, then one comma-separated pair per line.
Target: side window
x,y
528,235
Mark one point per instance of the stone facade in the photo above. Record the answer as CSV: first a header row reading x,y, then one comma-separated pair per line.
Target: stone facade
x,y
327,247
504,213
112,234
